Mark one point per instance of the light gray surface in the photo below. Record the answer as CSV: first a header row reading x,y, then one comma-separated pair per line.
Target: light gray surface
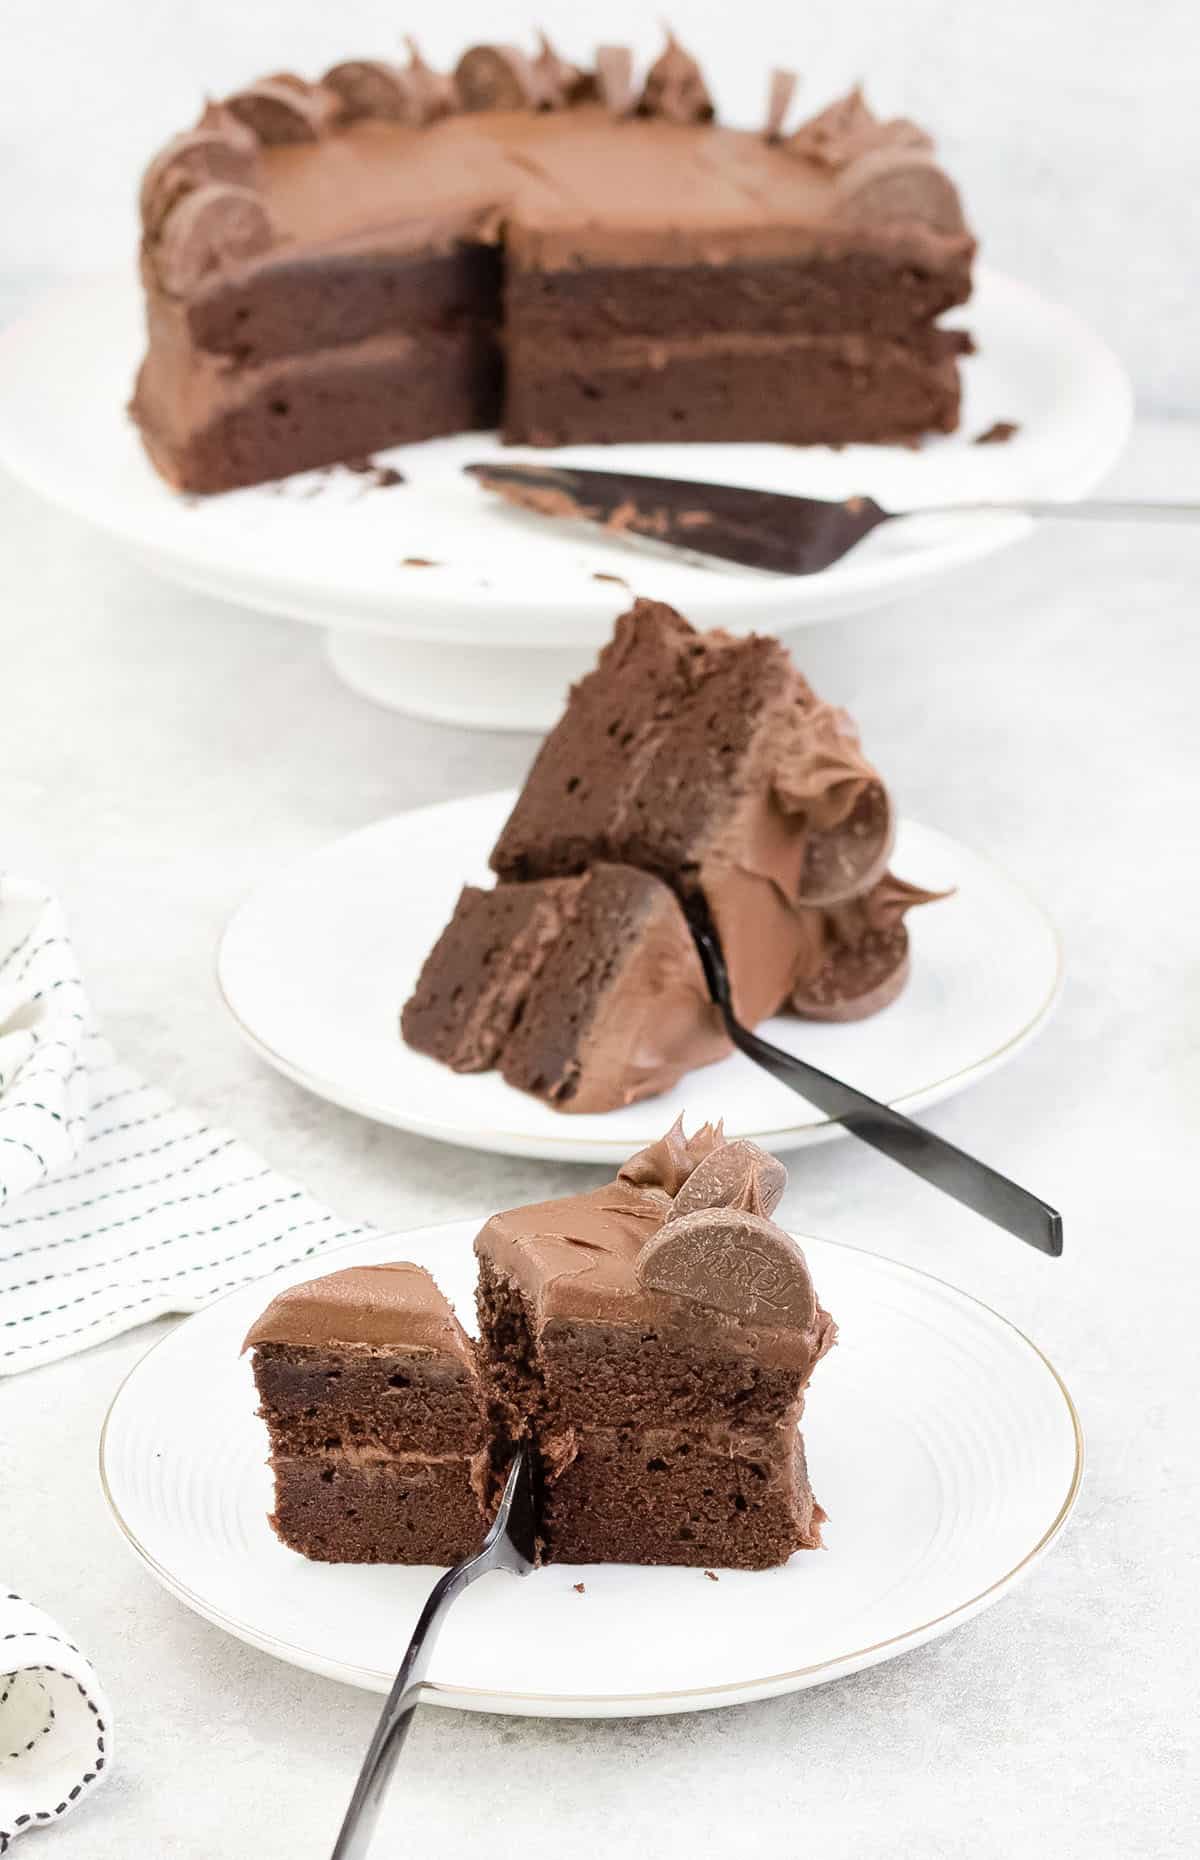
x,y
1070,125
159,753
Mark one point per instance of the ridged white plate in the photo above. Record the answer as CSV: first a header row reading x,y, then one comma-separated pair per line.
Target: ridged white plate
x,y
316,965
325,548
942,1443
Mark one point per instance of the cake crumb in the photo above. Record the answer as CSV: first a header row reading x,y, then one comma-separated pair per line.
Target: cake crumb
x,y
579,1588
418,561
997,434
620,580
381,476
712,1575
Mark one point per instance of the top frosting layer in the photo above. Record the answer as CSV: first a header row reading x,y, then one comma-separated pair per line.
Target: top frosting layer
x,y
398,1307
557,156
584,1257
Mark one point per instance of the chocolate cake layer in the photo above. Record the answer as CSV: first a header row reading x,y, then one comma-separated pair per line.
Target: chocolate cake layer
x,y
323,1399
663,1496
297,217
402,1510
797,390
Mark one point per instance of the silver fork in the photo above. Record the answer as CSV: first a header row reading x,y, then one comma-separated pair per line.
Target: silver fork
x,y
511,1544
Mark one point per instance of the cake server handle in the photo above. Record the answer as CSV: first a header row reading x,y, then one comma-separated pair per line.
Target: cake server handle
x,y
922,1151
510,1544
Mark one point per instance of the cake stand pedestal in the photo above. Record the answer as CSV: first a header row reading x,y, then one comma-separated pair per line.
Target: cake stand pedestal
x,y
476,687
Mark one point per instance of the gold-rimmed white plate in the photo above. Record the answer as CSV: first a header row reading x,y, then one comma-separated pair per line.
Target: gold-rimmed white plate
x,y
942,1443
315,966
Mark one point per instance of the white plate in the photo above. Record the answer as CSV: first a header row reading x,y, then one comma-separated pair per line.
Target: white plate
x,y
941,1442
316,965
326,549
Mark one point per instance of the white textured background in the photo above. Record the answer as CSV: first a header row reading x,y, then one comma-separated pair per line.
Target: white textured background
x,y
1072,125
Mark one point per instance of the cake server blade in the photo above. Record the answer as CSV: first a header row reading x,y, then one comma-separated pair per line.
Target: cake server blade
x,y
511,1544
973,1183
767,530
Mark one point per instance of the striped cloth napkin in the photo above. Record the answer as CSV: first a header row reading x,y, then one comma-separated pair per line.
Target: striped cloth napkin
x,y
116,1205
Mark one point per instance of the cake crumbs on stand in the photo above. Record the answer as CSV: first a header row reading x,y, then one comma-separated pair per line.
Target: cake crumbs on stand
x,y
997,434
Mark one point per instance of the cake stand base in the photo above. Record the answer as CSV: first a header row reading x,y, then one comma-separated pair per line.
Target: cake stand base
x,y
475,687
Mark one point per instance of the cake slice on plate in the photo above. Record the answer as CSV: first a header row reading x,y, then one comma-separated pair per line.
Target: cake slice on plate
x,y
650,1341
653,1339
376,1414
686,765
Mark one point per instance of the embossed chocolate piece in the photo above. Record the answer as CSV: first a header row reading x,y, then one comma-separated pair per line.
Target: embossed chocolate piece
x,y
887,185
496,77
732,1261
188,161
675,87
208,228
369,88
735,1175
824,776
614,77
866,956
278,111
781,91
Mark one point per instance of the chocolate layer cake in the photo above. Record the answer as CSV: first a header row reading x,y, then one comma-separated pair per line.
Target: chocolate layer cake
x,y
653,1339
376,1415
650,1341
390,254
685,765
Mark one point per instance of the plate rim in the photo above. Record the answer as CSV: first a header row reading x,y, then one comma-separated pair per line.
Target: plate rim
x,y
460,607
610,1705
796,1135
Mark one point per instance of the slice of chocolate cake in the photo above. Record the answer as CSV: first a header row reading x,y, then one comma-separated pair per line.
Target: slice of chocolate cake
x,y
585,991
685,765
653,1339
376,1415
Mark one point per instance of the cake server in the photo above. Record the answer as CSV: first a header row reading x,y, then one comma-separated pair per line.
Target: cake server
x,y
768,530
973,1183
511,1544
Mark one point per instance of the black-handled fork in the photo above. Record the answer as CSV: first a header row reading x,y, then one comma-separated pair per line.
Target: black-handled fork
x,y
923,1152
510,1544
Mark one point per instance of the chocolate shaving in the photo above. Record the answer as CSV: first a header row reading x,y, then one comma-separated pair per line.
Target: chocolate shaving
x,y
614,78
779,101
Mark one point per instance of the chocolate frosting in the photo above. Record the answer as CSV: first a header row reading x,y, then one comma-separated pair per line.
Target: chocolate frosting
x,y
848,129
675,87
667,1163
211,227
734,1175
823,776
393,1307
560,83
580,1258
734,1261
497,77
